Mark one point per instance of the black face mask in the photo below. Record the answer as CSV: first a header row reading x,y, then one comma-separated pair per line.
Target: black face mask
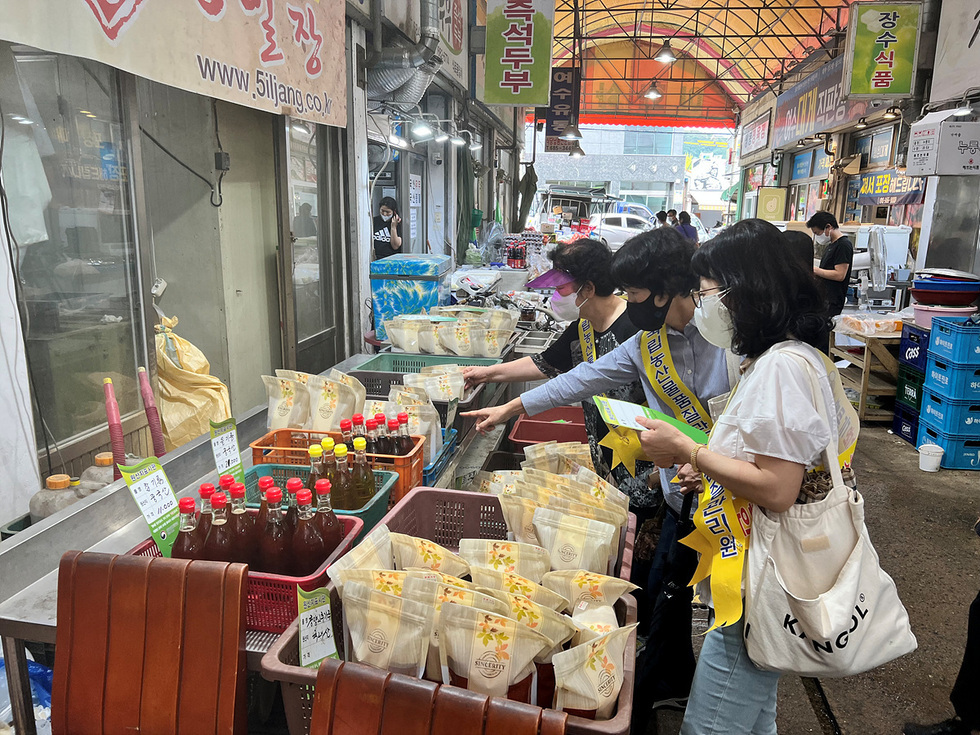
x,y
647,315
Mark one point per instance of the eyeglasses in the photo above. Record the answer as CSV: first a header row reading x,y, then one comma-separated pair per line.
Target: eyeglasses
x,y
698,296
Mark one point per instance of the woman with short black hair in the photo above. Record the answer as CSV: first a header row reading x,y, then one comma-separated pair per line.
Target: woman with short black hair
x,y
686,228
387,229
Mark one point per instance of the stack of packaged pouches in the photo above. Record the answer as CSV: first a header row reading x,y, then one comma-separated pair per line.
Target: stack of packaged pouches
x,y
312,402
462,331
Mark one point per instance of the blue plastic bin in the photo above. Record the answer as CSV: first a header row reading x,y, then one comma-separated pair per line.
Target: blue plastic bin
x,y
953,340
959,452
955,418
951,380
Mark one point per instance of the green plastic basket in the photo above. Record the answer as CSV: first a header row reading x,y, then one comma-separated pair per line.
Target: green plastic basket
x,y
370,514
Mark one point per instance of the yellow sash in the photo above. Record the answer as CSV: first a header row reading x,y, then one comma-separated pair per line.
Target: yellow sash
x,y
586,338
667,384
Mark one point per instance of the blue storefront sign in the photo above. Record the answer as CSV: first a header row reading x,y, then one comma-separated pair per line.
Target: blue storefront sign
x,y
801,165
891,187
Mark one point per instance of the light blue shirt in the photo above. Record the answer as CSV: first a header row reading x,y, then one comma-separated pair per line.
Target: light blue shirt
x,y
701,366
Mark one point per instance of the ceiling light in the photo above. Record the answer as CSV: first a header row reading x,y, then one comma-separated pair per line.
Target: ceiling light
x,y
893,113
666,56
576,151
85,112
653,93
421,129
571,132
862,124
25,121
475,145
441,137
397,140
801,143
457,139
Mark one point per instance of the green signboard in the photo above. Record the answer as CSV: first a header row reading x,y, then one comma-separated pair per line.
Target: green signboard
x,y
882,44
155,497
518,55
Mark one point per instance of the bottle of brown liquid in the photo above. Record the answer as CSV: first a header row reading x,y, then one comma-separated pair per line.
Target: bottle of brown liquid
x,y
383,442
347,430
308,547
293,486
342,488
265,483
224,483
372,436
204,522
329,462
405,443
316,465
187,545
274,547
361,474
396,440
241,525
219,546
358,430
327,522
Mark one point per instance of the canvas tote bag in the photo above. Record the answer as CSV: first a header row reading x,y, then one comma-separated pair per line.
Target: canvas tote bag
x,y
817,601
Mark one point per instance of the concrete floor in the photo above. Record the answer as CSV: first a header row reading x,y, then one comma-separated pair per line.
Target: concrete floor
x,y
921,525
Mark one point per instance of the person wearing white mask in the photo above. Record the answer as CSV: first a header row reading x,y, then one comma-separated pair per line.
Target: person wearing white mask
x,y
770,437
387,229
834,270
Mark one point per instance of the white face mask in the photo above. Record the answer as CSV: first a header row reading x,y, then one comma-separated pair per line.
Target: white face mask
x,y
564,306
822,239
386,217
714,321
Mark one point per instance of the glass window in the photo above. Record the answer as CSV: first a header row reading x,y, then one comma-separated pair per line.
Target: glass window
x,y
647,142
66,169
305,215
615,221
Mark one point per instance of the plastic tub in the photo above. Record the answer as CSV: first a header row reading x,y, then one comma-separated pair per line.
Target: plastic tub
x,y
925,314
502,461
930,457
271,598
563,424
954,341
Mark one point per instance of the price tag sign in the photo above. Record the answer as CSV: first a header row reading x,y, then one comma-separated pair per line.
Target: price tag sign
x,y
316,641
224,446
155,497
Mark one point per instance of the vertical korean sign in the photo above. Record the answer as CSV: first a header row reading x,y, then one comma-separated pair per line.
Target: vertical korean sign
x,y
564,90
150,488
518,55
882,48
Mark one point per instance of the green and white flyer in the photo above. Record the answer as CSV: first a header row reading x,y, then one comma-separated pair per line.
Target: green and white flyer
x,y
224,446
155,497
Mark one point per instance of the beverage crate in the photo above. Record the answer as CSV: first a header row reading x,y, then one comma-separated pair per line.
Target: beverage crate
x,y
502,461
959,452
914,346
289,446
955,341
909,392
370,513
432,471
954,418
271,598
906,423
951,380
562,424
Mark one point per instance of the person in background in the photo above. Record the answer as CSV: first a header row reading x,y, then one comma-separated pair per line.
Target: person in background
x,y
834,270
661,218
303,223
686,228
800,245
387,228
672,218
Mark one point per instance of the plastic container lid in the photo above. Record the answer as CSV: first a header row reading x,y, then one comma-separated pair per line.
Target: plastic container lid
x,y
371,424
74,482
219,500
403,418
274,495
393,424
340,450
360,443
265,482
294,484
103,459
207,490
304,497
327,444
186,505
58,482
315,450
380,418
237,490
346,425
226,481
358,419
323,487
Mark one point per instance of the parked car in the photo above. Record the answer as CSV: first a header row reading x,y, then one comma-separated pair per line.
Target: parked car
x,y
615,229
640,210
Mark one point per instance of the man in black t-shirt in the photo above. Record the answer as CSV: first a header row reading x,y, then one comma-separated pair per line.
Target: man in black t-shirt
x,y
834,270
387,229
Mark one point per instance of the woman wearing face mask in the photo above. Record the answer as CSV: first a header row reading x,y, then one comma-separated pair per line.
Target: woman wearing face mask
x,y
599,323
768,309
387,228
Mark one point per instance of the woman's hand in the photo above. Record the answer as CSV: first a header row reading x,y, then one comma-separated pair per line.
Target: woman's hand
x,y
488,418
475,375
689,480
663,444
396,219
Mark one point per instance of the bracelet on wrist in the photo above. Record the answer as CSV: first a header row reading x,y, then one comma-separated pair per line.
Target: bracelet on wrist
x,y
694,457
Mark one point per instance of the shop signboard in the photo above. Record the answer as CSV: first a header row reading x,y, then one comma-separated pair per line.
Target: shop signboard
x,y
881,148
957,50
882,46
518,56
564,91
941,145
821,165
891,187
280,56
755,135
816,105
801,165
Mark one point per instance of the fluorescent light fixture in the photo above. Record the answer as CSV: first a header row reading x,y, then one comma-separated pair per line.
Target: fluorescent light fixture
x,y
576,151
396,140
25,121
801,143
653,93
457,139
666,56
421,128
862,124
571,132
441,136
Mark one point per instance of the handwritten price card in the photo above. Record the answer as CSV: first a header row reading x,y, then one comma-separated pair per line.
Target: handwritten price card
x,y
150,488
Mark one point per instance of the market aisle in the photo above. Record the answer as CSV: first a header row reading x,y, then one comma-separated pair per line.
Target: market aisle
x,y
921,525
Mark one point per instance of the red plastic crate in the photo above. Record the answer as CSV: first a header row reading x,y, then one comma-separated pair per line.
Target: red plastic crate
x,y
271,599
542,427
289,446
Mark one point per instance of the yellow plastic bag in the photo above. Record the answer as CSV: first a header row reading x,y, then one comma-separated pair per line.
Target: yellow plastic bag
x,y
189,396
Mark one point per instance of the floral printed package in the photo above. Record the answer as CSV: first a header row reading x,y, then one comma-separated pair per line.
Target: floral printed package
x,y
589,677
457,338
410,551
360,392
373,552
382,580
519,517
498,482
592,623
426,421
518,585
581,510
443,577
527,560
429,340
289,403
386,631
330,402
541,456
404,334
443,387
487,653
585,590
602,489
434,594
574,542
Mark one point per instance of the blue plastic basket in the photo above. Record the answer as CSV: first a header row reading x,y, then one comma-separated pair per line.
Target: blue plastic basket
x,y
431,472
952,380
959,452
955,341
370,514
906,423
914,346
955,418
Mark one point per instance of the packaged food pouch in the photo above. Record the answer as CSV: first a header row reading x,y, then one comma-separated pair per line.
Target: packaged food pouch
x,y
589,677
487,653
574,542
585,590
496,341
456,338
296,375
435,594
360,392
375,406
386,631
330,402
445,578
373,552
478,340
289,403
527,560
444,387
495,483
504,319
429,340
414,552
592,623
602,489
404,398
425,421
581,510
542,456
414,391
519,517
518,585
382,580
571,456
402,335
441,369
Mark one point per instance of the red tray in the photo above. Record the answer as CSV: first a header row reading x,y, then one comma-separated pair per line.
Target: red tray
x,y
542,427
271,603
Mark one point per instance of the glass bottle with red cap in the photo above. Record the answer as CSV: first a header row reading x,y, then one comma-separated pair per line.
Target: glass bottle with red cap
x,y
405,443
371,436
220,545
187,545
327,522
274,554
240,524
396,440
347,429
362,478
225,482
293,486
383,442
206,492
307,544
265,482
359,430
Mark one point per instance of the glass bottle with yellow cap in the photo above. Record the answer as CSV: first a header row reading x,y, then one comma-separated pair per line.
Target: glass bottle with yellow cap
x,y
316,465
363,478
342,486
329,462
